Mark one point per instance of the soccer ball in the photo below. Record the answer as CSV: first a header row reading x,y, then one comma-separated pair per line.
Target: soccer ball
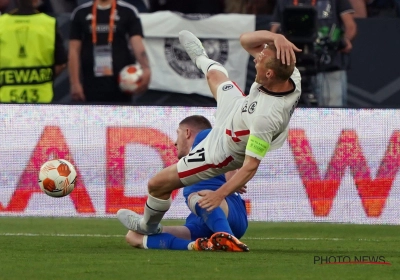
x,y
130,78
57,177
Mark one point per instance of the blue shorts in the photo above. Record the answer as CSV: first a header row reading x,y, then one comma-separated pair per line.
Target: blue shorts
x,y
237,218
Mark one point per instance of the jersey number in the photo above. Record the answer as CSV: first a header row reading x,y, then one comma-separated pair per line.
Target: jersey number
x,y
200,156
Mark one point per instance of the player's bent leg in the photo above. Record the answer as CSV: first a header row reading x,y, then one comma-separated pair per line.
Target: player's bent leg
x,y
215,220
164,182
215,77
178,231
167,241
198,55
158,201
194,198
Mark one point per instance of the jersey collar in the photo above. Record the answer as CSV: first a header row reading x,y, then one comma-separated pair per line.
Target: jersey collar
x,y
266,91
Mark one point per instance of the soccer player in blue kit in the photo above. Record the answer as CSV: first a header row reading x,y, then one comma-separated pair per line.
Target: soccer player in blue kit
x,y
215,230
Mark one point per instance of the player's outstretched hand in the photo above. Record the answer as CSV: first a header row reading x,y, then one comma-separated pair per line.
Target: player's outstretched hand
x,y
285,50
210,200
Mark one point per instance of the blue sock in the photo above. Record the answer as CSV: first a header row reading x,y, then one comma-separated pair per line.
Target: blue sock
x,y
167,241
215,220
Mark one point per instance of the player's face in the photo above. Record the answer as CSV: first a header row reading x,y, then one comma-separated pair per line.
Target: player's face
x,y
182,141
261,71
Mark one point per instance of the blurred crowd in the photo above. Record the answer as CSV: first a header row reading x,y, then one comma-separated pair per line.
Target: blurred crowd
x,y
362,8
94,59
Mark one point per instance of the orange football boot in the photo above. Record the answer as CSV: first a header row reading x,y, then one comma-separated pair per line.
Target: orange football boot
x,y
223,241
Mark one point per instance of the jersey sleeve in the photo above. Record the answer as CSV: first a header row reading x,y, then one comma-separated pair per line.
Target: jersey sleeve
x,y
262,134
296,77
75,27
277,14
134,25
344,7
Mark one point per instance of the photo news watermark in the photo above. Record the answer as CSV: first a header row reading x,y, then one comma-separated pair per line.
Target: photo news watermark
x,y
363,259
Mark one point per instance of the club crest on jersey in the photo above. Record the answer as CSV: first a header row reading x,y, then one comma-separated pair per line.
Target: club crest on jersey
x,y
227,87
252,107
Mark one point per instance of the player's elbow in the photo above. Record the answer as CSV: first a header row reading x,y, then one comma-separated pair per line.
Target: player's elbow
x,y
251,164
243,39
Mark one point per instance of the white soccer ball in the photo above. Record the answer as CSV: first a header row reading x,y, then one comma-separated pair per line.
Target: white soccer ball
x,y
130,78
57,177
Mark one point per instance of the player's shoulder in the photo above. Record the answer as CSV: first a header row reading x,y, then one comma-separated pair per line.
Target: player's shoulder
x,y
82,9
296,76
127,8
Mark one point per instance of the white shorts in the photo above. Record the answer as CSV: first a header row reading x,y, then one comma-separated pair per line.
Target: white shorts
x,y
211,157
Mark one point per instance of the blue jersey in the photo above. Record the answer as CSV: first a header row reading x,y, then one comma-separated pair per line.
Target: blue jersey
x,y
210,184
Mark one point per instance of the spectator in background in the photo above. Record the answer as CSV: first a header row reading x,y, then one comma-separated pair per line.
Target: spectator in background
x,y
335,20
360,8
236,6
6,6
261,7
101,55
31,48
141,5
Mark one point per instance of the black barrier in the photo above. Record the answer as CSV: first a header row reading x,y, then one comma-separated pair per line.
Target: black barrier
x,y
373,80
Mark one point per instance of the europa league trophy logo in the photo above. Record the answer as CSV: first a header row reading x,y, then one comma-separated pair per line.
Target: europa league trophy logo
x,y
22,38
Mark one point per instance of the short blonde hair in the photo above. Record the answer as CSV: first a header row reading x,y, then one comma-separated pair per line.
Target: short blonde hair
x,y
282,71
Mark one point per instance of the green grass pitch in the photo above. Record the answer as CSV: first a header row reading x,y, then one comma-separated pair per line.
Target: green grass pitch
x,y
88,248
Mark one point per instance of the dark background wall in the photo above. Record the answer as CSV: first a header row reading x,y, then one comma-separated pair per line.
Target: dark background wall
x,y
373,80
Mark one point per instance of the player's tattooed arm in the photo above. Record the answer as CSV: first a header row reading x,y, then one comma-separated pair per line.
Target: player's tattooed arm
x,y
144,60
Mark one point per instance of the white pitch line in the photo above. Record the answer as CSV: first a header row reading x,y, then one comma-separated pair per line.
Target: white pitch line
x,y
121,236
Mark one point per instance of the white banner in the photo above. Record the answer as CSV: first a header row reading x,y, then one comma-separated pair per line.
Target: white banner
x,y
337,165
173,70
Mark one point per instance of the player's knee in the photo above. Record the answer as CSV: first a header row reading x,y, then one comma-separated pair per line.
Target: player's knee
x,y
193,199
158,190
216,76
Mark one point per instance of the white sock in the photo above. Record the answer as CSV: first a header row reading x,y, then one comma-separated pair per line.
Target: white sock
x,y
145,242
206,64
154,211
191,246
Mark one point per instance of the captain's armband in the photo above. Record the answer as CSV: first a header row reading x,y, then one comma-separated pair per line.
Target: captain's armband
x,y
257,146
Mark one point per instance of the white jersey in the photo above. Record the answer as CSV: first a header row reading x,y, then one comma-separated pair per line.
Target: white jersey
x,y
264,115
245,125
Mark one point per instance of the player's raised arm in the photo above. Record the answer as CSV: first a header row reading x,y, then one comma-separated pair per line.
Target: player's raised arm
x,y
254,42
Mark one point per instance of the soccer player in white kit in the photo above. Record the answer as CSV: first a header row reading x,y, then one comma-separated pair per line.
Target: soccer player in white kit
x,y
246,127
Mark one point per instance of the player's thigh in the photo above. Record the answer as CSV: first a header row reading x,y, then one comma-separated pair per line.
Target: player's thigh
x,y
214,79
178,231
237,215
164,182
229,98
197,227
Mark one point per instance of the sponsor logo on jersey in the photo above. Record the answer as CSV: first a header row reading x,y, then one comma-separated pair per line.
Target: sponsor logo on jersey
x,y
227,87
103,28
